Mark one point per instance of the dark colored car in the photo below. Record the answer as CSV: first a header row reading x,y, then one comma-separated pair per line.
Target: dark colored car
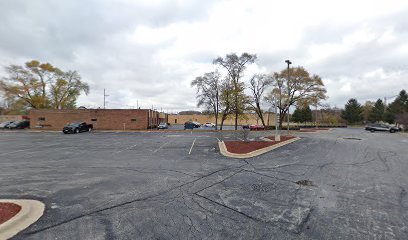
x,y
256,127
191,125
77,127
19,124
5,124
163,126
381,127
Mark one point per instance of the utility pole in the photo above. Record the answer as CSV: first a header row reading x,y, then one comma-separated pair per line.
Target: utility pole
x,y
288,62
104,98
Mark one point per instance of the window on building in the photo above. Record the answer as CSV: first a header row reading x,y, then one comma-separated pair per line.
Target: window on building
x,y
175,120
41,119
94,119
133,120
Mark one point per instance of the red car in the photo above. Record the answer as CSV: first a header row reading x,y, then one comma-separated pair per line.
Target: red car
x,y
256,127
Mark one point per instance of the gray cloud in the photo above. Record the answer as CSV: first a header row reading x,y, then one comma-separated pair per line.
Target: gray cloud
x,y
181,38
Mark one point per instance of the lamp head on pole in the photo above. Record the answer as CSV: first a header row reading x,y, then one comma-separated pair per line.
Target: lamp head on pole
x,y
288,62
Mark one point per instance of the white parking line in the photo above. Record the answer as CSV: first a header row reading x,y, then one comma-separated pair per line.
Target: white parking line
x,y
161,146
218,139
192,145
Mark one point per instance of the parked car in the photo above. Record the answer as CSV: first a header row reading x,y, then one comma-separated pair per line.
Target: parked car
x,y
163,126
5,124
191,125
256,127
195,124
209,124
19,124
77,127
381,127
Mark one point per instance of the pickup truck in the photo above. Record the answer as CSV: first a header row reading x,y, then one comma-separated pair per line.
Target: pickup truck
x,y
77,127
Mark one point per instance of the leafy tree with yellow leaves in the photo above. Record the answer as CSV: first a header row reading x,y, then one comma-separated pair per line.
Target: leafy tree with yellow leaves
x,y
41,85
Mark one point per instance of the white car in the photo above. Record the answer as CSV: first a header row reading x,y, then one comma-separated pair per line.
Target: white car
x,y
5,124
209,125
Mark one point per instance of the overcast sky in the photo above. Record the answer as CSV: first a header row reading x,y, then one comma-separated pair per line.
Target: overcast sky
x,y
149,51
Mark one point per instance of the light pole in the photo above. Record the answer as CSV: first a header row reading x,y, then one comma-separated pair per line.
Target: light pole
x,y
277,136
288,62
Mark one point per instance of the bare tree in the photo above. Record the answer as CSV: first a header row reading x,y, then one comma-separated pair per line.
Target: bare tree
x,y
258,85
300,88
235,66
226,100
209,92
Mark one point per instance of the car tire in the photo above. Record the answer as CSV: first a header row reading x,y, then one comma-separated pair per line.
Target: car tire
x,y
372,130
77,130
89,129
392,131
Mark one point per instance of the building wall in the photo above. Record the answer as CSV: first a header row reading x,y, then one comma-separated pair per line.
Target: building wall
x,y
103,119
248,119
6,118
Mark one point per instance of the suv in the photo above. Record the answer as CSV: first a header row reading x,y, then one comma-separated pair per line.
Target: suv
x,y
163,126
381,127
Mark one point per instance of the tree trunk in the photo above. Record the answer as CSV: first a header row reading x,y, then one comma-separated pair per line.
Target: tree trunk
x,y
236,111
282,114
224,116
236,103
259,113
262,120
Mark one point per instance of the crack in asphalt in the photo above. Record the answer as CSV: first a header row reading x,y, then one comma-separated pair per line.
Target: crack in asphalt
x,y
402,195
127,202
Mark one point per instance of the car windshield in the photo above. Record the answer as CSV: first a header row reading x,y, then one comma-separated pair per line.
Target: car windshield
x,y
75,124
162,124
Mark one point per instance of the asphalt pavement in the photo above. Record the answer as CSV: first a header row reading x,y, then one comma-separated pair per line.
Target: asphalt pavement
x,y
341,184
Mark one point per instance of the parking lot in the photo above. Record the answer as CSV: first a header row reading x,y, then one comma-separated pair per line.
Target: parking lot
x,y
341,184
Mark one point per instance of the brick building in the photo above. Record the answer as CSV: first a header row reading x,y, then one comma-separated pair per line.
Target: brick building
x,y
103,119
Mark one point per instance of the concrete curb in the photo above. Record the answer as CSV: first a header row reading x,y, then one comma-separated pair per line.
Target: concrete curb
x,y
224,151
31,211
308,132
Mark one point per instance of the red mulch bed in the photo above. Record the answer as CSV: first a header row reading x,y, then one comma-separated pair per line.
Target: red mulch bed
x,y
247,147
8,210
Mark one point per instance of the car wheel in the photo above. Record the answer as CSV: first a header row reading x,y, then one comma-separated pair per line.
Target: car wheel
x,y
392,131
89,129
372,130
77,130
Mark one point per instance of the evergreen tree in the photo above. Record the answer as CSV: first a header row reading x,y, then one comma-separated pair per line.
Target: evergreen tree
x,y
297,115
377,112
302,114
353,112
398,106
